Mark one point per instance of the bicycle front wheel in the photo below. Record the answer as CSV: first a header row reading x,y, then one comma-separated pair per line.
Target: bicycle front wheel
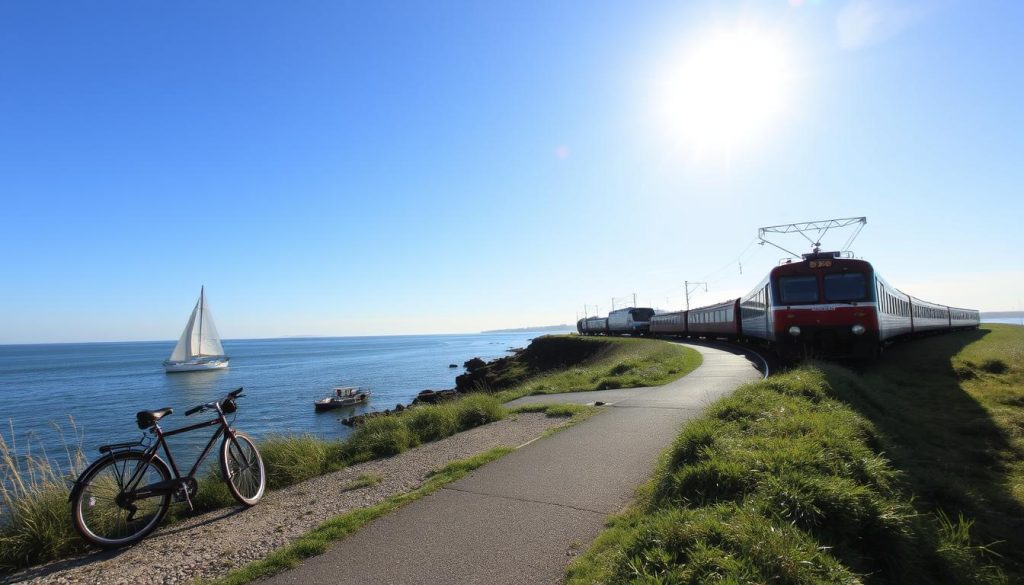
x,y
243,469
103,507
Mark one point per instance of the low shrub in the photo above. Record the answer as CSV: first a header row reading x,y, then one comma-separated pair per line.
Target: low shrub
x,y
290,459
36,527
432,422
35,516
379,437
477,409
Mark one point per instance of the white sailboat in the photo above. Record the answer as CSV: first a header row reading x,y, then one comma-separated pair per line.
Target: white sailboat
x,y
199,347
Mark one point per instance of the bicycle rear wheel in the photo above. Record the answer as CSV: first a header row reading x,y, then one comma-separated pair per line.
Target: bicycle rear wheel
x,y
102,509
243,469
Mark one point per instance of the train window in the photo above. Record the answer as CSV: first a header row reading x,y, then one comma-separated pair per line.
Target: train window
x,y
795,290
846,286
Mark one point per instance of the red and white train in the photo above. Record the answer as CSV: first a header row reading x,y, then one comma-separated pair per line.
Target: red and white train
x,y
823,305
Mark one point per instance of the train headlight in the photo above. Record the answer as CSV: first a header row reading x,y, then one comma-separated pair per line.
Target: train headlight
x,y
858,329
794,331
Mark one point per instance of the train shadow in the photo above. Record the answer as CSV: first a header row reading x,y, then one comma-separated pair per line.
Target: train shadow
x,y
953,453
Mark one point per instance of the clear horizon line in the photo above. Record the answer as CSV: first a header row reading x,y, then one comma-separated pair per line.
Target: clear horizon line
x,y
298,336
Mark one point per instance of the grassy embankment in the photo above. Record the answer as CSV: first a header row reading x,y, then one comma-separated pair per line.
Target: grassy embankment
x,y
568,363
911,472
35,522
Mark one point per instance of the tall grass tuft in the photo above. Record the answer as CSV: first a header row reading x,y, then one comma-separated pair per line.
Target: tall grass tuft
x,y
431,422
379,437
35,517
293,458
477,409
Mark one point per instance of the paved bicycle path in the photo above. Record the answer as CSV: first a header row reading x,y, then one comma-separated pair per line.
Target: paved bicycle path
x,y
522,518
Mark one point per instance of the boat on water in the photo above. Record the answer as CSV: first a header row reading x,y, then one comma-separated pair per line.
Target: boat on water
x,y
199,346
342,397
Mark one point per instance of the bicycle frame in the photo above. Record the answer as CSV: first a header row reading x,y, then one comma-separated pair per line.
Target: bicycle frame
x,y
172,485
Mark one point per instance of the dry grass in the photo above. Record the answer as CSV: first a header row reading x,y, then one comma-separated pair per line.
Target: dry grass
x,y
35,518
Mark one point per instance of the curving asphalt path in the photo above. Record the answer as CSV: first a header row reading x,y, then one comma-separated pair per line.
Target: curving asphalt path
x,y
522,518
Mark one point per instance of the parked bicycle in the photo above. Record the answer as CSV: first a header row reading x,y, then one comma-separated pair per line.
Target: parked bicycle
x,y
124,495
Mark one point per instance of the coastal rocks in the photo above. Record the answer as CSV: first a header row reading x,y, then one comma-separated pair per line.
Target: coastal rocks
x,y
543,354
356,420
474,364
434,396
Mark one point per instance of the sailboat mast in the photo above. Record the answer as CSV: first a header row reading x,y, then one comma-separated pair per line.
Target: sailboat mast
x,y
202,308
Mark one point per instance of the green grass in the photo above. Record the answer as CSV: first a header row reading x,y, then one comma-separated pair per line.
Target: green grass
x,y
319,539
905,474
558,410
950,411
35,517
606,363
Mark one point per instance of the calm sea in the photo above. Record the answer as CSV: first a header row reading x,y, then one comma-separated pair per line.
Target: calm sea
x,y
103,385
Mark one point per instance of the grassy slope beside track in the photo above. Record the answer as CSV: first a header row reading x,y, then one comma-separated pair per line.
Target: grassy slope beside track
x,y
908,473
570,363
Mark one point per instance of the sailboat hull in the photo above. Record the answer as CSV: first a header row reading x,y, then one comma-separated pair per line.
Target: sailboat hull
x,y
196,365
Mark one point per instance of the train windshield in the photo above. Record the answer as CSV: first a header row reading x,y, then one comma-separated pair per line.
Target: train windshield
x,y
795,290
845,287
642,314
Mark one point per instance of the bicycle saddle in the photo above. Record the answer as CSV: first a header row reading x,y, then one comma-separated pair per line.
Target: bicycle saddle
x,y
148,418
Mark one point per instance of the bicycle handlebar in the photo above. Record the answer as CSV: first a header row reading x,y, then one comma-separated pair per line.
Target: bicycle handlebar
x,y
230,395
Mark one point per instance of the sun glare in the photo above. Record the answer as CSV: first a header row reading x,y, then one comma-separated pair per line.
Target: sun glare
x,y
725,91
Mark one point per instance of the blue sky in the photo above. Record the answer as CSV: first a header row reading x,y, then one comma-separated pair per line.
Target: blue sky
x,y
332,168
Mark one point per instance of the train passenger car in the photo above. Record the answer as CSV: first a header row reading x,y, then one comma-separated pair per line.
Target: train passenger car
x,y
894,311
824,305
669,323
964,318
594,326
721,320
756,316
634,321
929,316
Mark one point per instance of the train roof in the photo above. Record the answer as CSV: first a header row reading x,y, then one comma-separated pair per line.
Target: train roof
x,y
627,309
820,260
719,305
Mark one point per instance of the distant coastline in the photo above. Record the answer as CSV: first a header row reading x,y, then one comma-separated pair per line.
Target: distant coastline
x,y
524,329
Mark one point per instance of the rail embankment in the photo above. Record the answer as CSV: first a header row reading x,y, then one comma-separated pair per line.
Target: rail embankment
x,y
555,364
911,471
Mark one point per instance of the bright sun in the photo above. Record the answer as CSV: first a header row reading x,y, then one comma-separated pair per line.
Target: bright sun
x,y
725,91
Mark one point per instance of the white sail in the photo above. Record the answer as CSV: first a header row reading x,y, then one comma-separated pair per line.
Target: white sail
x,y
183,351
208,341
198,340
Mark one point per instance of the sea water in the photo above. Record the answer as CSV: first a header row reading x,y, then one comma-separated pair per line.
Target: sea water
x,y
100,386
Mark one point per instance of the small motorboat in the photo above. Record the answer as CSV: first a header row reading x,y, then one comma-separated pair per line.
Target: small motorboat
x,y
342,397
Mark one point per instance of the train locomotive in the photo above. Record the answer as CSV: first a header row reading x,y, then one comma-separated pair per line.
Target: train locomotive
x,y
823,305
